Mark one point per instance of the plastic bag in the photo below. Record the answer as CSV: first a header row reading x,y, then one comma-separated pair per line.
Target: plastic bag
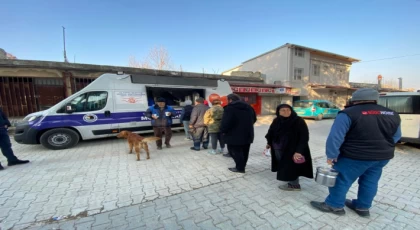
x,y
267,152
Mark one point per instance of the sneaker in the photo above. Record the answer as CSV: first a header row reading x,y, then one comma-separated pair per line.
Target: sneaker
x,y
17,162
187,139
323,207
290,187
1,167
159,147
360,212
168,146
220,151
212,152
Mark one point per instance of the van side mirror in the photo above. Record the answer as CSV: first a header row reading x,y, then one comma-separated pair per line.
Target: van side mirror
x,y
70,108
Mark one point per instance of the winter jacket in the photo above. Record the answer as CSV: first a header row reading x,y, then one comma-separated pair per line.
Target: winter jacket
x,y
238,123
163,120
186,113
297,137
213,118
197,115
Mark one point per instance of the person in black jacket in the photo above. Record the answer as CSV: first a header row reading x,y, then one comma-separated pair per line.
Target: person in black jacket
x,y
360,144
288,139
238,130
5,144
185,118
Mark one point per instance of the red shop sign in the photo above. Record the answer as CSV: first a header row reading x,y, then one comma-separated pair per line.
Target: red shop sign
x,y
252,90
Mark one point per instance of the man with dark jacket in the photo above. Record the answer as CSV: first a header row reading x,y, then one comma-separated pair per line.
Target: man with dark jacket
x,y
361,142
198,128
5,144
161,115
185,118
238,130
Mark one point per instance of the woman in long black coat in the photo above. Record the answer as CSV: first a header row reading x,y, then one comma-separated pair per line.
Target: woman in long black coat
x,y
288,138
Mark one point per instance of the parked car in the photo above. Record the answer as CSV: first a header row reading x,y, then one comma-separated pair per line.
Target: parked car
x,y
317,109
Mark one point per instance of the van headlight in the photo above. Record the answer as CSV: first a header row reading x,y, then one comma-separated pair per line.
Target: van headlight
x,y
33,118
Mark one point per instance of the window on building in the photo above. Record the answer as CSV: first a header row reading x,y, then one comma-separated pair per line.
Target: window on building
x,y
316,69
299,52
92,101
298,74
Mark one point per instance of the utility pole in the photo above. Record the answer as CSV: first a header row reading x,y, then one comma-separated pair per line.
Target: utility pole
x,y
64,41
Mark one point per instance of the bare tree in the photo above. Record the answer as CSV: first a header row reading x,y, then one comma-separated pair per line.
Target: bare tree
x,y
158,58
132,62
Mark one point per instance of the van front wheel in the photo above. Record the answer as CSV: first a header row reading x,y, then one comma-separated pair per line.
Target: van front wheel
x,y
56,139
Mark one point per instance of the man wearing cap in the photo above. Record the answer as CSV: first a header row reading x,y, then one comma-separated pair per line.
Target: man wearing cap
x,y
198,129
5,144
361,142
161,115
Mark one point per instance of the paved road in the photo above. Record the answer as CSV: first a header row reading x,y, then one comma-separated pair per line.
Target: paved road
x,y
98,186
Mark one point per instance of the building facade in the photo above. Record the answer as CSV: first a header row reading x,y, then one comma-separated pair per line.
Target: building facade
x,y
309,73
28,86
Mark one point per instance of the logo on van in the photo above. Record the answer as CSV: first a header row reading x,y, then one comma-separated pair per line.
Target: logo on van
x,y
90,117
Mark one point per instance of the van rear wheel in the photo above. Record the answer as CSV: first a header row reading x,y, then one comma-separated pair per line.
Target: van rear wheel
x,y
61,138
319,117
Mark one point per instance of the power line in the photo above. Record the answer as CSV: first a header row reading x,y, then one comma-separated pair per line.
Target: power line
x,y
388,58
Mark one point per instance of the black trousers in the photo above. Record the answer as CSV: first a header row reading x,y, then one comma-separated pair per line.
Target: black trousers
x,y
6,145
240,154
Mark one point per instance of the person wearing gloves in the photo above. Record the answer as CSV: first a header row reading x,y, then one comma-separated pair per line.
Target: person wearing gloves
x,y
360,144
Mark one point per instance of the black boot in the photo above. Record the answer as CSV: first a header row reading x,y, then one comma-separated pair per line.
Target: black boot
x,y
17,162
1,167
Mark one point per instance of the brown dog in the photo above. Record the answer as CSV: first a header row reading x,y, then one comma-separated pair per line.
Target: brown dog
x,y
137,141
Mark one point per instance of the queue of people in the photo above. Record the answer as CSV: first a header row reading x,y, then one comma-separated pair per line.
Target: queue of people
x,y
232,125
360,144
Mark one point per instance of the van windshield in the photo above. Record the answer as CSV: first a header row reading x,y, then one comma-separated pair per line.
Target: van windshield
x,y
302,104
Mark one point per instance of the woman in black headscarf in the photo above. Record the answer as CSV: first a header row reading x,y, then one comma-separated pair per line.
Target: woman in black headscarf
x,y
288,138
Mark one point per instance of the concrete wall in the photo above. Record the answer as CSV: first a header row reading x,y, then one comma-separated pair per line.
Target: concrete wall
x,y
273,65
229,72
338,97
270,103
332,71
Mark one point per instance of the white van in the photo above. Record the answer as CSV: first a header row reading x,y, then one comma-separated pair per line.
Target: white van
x,y
112,103
407,104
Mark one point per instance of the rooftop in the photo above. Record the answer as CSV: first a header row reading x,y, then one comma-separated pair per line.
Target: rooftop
x,y
320,52
65,66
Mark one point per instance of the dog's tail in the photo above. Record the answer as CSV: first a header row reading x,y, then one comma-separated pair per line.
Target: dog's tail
x,y
147,139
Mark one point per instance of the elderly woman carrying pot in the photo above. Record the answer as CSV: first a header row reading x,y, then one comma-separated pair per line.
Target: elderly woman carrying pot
x,y
288,138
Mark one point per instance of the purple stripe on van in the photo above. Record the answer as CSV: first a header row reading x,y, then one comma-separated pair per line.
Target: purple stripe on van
x,y
71,120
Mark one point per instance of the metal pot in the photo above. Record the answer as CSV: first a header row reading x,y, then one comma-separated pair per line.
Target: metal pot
x,y
326,176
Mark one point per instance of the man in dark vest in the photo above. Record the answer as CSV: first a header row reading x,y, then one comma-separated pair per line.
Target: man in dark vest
x,y
5,144
361,142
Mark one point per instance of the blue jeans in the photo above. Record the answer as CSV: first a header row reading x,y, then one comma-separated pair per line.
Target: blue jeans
x,y
368,172
187,129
